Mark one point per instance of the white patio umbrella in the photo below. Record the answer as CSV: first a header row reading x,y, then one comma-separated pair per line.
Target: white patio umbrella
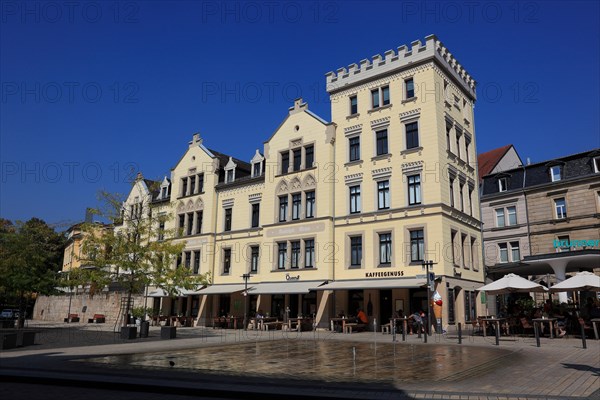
x,y
512,283
581,281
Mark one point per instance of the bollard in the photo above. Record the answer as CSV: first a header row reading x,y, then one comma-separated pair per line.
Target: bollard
x,y
419,330
459,333
583,336
424,333
537,334
404,327
498,334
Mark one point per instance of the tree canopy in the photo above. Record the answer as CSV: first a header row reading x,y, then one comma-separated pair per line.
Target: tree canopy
x,y
31,255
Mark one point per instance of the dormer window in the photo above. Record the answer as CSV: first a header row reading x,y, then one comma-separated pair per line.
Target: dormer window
x,y
163,192
502,184
596,164
230,171
556,173
257,164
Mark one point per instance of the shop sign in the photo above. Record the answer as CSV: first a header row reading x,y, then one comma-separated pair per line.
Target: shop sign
x,y
384,274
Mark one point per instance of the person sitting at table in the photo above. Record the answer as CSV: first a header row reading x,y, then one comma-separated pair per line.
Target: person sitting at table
x,y
259,314
361,317
341,314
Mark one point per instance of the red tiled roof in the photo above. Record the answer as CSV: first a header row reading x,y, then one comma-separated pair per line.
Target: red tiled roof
x,y
488,160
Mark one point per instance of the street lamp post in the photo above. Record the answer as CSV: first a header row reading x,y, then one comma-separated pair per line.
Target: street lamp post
x,y
426,265
246,277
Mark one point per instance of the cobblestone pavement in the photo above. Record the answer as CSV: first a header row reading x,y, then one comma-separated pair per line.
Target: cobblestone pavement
x,y
224,363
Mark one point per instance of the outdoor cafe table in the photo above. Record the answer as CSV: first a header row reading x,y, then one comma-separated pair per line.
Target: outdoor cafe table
x,y
299,322
541,321
595,322
497,321
258,323
334,322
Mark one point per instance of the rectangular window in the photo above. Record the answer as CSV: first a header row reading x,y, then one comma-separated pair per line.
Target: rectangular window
x,y
355,251
514,249
414,189
310,204
354,199
354,143
502,184
467,144
285,162
199,216
412,135
255,214
474,255
281,255
190,223
448,130
353,105
503,252
196,269
227,219
375,98
556,173
500,222
385,248
560,205
229,176
161,230
383,195
181,224
458,144
296,204
163,192
463,244
409,84
461,189
382,142
254,256
417,245
297,159
512,215
283,208
184,186
596,162
564,242
309,253
200,183
453,243
256,169
188,259
309,154
192,184
226,261
295,254
385,94
452,193
470,201
178,262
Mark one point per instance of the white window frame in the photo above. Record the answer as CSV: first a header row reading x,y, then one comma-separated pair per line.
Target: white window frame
x,y
503,249
562,208
596,164
501,185
556,173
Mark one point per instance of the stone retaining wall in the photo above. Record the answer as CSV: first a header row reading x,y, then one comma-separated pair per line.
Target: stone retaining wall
x,y
56,308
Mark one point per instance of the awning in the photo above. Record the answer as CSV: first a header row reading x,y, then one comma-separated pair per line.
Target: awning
x,y
375,284
223,289
158,293
285,287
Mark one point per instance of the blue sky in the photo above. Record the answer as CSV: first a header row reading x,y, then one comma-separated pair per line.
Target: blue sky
x,y
94,91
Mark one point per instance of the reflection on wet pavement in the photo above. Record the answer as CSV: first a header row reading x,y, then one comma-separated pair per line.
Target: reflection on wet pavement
x,y
331,361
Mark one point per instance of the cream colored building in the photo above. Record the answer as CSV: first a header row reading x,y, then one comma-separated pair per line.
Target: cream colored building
x,y
406,187
335,216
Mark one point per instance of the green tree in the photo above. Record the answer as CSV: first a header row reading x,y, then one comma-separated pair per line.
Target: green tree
x,y
132,253
30,257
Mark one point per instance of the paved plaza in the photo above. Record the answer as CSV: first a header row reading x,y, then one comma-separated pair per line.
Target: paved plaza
x,y
90,361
